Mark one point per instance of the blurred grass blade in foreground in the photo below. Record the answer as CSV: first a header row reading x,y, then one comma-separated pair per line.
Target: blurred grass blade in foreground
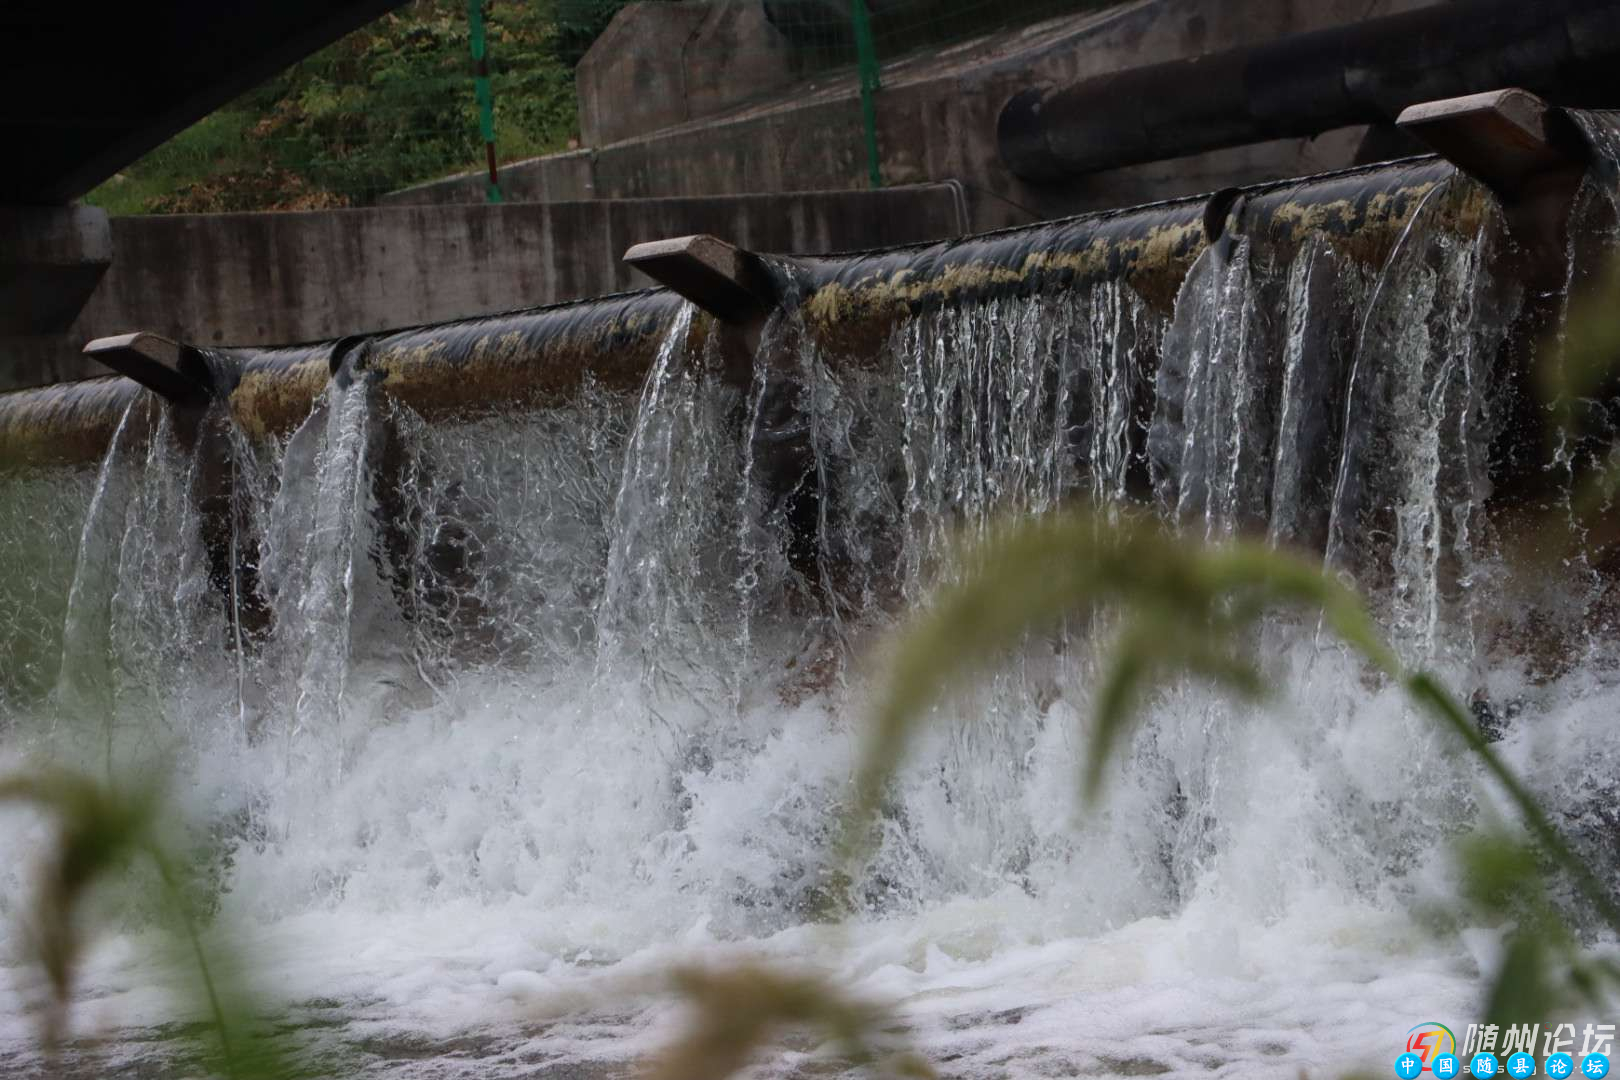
x,y
102,830
740,1008
1180,607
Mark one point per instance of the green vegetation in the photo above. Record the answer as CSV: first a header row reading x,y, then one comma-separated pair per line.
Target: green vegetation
x,y
390,105
393,105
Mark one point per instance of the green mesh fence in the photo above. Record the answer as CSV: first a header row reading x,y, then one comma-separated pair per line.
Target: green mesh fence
x,y
394,103
823,31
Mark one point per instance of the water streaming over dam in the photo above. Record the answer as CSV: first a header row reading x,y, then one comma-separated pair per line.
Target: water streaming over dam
x,y
524,708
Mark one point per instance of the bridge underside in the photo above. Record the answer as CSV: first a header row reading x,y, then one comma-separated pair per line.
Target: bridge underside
x,y
88,88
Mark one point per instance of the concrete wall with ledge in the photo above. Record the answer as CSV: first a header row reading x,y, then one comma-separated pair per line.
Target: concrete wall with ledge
x,y
660,64
51,260
246,279
937,115
569,177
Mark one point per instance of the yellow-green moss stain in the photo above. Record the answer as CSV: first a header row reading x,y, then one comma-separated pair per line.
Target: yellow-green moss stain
x,y
273,401
509,368
1365,229
849,317
62,424
1153,261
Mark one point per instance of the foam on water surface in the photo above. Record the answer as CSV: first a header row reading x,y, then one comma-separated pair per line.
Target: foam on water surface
x,y
512,716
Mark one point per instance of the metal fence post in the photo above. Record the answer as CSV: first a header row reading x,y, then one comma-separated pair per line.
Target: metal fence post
x,y
866,51
486,96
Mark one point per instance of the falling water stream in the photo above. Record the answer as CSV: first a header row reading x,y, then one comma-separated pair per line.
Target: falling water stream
x,y
528,709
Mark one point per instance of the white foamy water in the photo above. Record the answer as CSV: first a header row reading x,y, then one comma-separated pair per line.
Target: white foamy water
x,y
511,717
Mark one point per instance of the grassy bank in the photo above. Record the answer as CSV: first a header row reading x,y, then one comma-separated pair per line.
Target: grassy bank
x,y
390,105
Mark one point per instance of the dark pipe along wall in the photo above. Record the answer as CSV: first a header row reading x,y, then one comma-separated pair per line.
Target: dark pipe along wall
x,y
1365,73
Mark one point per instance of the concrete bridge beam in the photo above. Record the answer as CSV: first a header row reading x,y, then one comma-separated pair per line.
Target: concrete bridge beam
x,y
51,259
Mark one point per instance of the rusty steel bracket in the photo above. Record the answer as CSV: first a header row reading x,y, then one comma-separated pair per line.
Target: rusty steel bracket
x,y
1531,156
1503,138
729,283
173,370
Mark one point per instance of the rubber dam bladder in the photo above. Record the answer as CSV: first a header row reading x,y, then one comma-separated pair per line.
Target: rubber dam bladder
x,y
508,662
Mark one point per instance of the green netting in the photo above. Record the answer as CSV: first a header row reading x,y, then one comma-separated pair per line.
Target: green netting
x,y
394,103
391,104
823,29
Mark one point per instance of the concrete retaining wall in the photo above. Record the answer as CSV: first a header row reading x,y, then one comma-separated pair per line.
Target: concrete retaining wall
x,y
569,177
661,64
937,116
250,279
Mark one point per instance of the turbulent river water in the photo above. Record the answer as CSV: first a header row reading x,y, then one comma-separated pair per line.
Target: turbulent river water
x,y
529,710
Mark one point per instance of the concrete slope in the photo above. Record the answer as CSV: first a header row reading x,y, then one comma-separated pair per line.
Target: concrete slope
x,y
937,119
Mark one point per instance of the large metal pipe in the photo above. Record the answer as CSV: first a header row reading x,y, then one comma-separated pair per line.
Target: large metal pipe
x,y
1364,73
515,360
63,423
850,304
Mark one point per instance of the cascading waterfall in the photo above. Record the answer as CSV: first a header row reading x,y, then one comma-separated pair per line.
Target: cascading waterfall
x,y
316,533
88,624
1420,373
541,703
1016,406
671,537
